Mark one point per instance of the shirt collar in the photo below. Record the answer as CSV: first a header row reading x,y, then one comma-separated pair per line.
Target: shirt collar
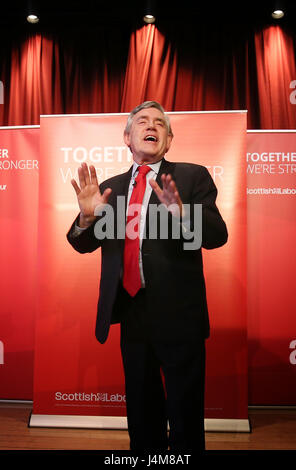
x,y
154,166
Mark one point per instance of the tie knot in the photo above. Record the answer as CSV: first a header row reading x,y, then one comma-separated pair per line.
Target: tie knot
x,y
143,170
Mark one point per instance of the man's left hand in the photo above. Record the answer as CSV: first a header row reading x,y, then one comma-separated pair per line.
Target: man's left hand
x,y
169,195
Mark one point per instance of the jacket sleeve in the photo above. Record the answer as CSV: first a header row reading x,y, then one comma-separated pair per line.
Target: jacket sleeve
x,y
86,241
214,230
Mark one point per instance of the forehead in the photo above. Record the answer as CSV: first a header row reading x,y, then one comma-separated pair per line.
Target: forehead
x,y
153,113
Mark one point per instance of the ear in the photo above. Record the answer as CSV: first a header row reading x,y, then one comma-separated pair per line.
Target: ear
x,y
127,140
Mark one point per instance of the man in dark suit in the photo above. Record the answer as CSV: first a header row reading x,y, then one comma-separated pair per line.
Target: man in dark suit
x,y
154,285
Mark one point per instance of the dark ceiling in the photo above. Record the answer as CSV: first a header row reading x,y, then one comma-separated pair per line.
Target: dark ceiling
x,y
91,13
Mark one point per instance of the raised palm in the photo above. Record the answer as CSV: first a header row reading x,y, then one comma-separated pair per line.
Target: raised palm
x,y
88,193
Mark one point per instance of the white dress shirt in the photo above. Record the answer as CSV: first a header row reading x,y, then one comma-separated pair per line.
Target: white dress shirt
x,y
150,175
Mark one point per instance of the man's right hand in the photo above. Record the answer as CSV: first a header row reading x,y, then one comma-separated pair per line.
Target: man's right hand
x,y
88,194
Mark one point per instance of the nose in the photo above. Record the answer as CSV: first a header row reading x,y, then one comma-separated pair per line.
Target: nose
x,y
150,125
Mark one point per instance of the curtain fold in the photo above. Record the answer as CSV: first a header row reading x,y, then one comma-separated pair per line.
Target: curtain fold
x,y
275,61
111,71
151,70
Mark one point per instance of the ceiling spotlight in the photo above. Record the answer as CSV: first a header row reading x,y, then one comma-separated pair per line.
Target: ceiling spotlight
x,y
149,19
32,19
277,14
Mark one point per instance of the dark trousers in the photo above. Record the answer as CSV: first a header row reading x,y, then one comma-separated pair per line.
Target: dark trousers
x,y
164,384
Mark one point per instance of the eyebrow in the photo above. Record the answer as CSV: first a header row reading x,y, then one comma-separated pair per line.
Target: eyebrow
x,y
145,116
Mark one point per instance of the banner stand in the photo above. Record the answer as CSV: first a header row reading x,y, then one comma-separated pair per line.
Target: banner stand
x,y
19,177
74,421
80,383
271,198
120,422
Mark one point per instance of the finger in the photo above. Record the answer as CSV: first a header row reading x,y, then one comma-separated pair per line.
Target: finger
x,y
173,189
169,188
81,177
175,197
93,175
165,181
106,194
75,186
171,194
86,173
156,188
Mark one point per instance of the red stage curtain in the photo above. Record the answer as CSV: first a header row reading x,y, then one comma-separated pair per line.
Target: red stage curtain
x,y
276,69
186,71
151,72
53,74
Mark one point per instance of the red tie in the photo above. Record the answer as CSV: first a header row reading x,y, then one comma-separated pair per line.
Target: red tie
x,y
131,270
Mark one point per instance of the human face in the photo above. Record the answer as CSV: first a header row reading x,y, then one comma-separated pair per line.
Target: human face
x,y
148,138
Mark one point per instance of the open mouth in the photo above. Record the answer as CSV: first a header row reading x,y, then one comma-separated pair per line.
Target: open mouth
x,y
150,138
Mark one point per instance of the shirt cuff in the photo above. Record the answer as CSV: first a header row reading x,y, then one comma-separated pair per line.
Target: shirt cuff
x,y
77,230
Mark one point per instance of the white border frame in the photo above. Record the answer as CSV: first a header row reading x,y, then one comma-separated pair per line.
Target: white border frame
x,y
127,114
261,131
20,127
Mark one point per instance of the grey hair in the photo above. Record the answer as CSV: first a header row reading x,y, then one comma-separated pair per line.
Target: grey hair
x,y
145,105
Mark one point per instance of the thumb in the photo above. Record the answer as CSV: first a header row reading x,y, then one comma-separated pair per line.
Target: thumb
x,y
106,194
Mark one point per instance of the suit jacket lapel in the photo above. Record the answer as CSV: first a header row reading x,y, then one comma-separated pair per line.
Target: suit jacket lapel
x,y
122,190
122,185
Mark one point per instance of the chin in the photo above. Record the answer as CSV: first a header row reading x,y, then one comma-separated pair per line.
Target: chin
x,y
151,159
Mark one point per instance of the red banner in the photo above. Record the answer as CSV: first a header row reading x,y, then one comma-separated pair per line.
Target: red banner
x,y
19,155
271,342
76,378
271,170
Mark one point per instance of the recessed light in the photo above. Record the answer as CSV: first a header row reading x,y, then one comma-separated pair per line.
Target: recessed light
x,y
32,19
149,19
277,14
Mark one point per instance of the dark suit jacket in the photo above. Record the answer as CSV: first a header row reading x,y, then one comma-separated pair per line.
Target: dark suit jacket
x,y
174,280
